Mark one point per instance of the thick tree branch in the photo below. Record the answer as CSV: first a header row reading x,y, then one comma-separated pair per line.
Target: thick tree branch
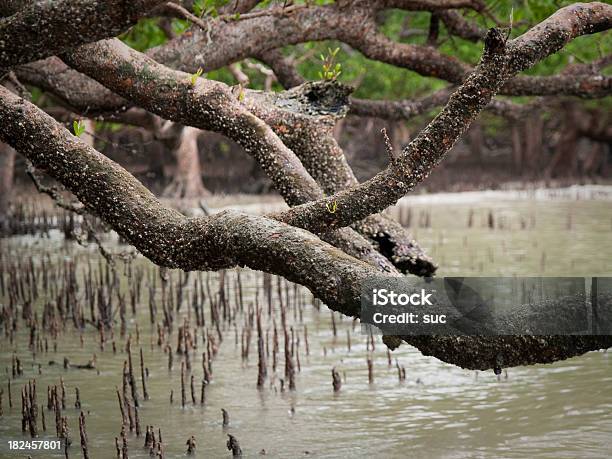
x,y
499,63
46,28
309,134
229,238
200,103
164,235
80,93
399,109
53,75
212,106
351,22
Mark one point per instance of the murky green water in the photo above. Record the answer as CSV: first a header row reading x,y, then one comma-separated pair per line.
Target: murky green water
x,y
560,410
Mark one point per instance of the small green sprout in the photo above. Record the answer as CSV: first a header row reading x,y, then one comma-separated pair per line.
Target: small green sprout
x,y
330,68
195,76
205,8
331,208
241,94
78,126
198,8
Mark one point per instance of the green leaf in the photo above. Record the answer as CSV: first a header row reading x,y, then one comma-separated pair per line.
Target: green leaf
x,y
194,77
78,126
198,7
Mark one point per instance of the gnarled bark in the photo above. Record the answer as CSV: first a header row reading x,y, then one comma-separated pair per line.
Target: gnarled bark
x,y
46,28
354,24
500,62
278,243
307,129
230,238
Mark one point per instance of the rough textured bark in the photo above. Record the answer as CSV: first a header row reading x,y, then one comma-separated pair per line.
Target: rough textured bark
x,y
231,238
10,7
392,110
81,94
425,151
206,105
213,106
307,129
354,24
169,238
47,28
500,62
57,77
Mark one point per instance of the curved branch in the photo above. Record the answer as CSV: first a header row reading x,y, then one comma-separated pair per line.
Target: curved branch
x,y
229,238
399,109
80,93
499,63
459,26
309,134
212,106
47,28
351,23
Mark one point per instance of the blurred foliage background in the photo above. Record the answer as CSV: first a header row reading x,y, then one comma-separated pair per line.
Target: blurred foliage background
x,y
377,80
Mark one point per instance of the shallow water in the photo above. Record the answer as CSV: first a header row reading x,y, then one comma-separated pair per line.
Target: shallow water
x,y
560,410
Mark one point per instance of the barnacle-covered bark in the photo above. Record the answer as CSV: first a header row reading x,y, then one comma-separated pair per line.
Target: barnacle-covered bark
x,y
422,154
54,76
196,102
210,105
354,24
74,89
304,117
10,7
43,29
166,236
500,62
230,238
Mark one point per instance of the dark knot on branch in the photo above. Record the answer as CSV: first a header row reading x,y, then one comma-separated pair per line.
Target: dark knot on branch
x,y
495,43
322,97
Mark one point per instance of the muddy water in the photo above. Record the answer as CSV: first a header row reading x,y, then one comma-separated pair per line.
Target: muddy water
x,y
560,410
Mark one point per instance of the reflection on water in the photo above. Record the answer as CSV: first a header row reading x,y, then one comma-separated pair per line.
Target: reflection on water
x,y
560,410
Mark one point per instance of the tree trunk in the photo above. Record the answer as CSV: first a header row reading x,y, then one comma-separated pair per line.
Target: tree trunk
x,y
533,142
187,180
565,159
517,148
7,162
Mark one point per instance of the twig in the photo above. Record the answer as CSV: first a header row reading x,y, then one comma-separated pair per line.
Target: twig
x,y
388,145
53,192
276,11
187,15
